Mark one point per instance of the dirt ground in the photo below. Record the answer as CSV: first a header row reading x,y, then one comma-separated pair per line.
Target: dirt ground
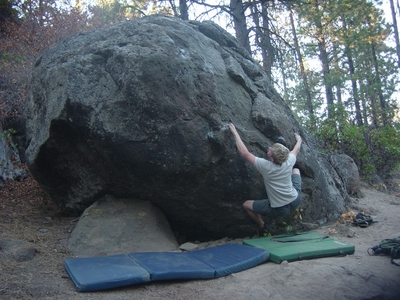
x,y
27,215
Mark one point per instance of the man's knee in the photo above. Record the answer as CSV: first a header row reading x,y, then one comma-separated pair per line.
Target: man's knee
x,y
248,205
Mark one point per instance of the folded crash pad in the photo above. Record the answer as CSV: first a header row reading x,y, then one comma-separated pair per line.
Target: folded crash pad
x,y
172,265
230,258
104,272
300,246
100,273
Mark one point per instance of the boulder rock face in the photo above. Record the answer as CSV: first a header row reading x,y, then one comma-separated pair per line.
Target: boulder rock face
x,y
140,110
348,172
113,226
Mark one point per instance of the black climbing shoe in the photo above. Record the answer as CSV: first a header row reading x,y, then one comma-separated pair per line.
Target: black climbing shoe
x,y
362,220
264,232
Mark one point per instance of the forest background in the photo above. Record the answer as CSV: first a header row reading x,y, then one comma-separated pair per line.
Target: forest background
x,y
335,62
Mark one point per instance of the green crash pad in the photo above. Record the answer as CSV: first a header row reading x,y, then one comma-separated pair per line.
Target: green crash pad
x,y
307,245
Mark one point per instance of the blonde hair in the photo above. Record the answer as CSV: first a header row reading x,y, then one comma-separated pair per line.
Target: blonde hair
x,y
279,153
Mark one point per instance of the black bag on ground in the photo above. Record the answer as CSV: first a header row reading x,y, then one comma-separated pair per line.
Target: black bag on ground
x,y
389,247
362,220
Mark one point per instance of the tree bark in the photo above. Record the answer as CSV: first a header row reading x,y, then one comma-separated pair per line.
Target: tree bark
x,y
337,82
382,101
183,10
372,104
354,87
263,38
396,32
303,74
268,57
240,25
323,56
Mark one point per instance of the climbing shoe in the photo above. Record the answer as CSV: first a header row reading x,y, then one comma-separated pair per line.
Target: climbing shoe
x,y
362,220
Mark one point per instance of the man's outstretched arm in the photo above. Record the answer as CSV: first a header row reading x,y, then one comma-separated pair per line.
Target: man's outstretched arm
x,y
244,152
297,147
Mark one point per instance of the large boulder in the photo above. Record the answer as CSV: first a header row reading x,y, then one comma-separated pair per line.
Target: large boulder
x,y
140,110
348,172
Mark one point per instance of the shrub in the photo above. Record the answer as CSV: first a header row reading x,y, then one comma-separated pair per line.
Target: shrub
x,y
385,149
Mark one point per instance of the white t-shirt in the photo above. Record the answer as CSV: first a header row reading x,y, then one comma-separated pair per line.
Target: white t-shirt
x,y
278,180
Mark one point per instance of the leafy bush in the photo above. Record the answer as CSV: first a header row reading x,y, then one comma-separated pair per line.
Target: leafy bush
x,y
385,149
327,134
374,150
353,143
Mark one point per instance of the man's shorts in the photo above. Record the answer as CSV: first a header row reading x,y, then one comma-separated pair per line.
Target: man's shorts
x,y
263,207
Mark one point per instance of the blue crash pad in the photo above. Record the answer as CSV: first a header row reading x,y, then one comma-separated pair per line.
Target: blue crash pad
x,y
172,265
230,258
106,272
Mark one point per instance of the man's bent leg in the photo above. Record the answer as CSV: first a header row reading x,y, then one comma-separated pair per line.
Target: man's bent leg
x,y
296,181
248,206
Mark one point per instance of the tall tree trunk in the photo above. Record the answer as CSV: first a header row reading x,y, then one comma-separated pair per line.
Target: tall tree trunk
x,y
259,38
263,38
323,56
382,101
352,70
364,105
183,10
338,84
284,82
268,49
354,87
396,31
303,74
374,114
239,21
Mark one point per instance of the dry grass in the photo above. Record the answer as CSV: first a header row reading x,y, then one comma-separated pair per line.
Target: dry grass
x,y
28,215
